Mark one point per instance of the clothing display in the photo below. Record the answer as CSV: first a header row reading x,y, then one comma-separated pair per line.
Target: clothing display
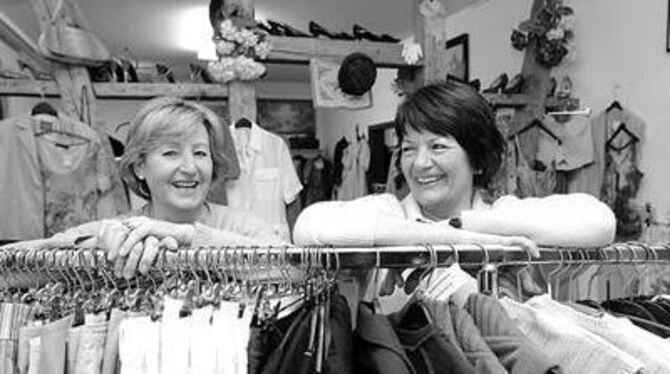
x,y
355,163
315,174
268,180
61,177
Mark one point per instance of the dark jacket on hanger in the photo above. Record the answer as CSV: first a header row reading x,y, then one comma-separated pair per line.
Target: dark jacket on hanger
x,y
426,344
377,348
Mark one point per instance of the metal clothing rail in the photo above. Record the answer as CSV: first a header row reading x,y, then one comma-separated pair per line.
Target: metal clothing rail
x,y
249,258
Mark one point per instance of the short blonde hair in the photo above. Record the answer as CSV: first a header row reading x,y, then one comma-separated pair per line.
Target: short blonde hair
x,y
166,119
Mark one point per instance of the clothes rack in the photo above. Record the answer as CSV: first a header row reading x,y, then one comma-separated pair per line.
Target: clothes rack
x,y
250,258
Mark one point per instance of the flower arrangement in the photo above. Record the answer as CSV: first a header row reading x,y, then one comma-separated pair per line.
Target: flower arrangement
x,y
238,49
552,31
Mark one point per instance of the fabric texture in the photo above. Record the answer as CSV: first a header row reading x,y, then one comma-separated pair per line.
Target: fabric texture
x,y
426,345
377,348
650,349
472,343
515,351
268,180
574,348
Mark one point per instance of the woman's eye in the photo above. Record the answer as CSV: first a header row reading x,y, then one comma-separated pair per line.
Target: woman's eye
x,y
201,153
440,147
406,148
169,153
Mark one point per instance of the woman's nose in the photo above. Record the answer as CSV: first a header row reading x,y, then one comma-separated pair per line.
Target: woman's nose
x,y
187,164
423,158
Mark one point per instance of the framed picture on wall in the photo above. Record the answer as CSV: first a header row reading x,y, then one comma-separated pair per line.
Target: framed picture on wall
x,y
287,117
457,58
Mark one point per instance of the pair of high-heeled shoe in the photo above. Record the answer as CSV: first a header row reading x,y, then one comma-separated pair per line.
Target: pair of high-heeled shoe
x,y
278,28
318,30
475,83
502,84
361,32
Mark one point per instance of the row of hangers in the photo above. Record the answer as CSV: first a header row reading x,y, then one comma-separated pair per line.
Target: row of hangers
x,y
610,143
60,282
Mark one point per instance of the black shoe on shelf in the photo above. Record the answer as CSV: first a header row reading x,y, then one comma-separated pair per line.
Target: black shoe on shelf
x,y
388,39
292,31
265,27
318,30
361,32
498,84
343,36
514,86
276,28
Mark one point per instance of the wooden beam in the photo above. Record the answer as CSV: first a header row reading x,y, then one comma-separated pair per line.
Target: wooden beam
x,y
142,91
301,50
21,43
535,88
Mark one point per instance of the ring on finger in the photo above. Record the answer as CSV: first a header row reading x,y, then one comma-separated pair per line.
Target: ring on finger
x,y
128,225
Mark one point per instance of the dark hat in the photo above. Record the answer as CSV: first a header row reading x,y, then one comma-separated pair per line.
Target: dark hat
x,y
357,74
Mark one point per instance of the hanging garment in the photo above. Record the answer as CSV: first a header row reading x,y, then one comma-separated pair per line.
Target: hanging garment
x,y
590,178
338,166
377,348
57,181
12,318
515,351
528,180
317,180
268,180
618,331
266,337
459,327
355,162
621,181
426,345
574,348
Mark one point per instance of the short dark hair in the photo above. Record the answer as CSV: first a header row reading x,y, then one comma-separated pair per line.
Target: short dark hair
x,y
165,119
456,109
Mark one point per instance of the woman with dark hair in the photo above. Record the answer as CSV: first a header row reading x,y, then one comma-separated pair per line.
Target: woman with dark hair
x,y
173,154
450,150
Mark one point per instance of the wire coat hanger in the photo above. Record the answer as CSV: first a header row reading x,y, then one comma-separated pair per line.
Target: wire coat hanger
x,y
537,123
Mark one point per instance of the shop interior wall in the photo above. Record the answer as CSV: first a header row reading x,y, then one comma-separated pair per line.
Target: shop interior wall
x,y
621,54
334,123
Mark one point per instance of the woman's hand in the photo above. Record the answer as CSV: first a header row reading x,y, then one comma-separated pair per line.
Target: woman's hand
x,y
134,244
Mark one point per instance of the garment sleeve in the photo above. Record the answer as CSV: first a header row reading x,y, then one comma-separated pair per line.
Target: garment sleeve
x,y
576,219
379,220
345,223
239,229
290,183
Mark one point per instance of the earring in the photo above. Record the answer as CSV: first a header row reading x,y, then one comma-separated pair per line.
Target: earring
x,y
140,177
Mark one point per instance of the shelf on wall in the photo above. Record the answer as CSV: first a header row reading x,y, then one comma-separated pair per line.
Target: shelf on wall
x,y
300,50
132,91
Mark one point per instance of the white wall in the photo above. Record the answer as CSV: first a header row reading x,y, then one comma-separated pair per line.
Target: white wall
x,y
334,123
620,43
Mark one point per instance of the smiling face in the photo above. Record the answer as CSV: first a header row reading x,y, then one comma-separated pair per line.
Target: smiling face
x,y
438,173
178,174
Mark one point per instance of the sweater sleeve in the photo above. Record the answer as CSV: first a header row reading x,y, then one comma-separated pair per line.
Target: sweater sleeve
x,y
577,219
346,223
